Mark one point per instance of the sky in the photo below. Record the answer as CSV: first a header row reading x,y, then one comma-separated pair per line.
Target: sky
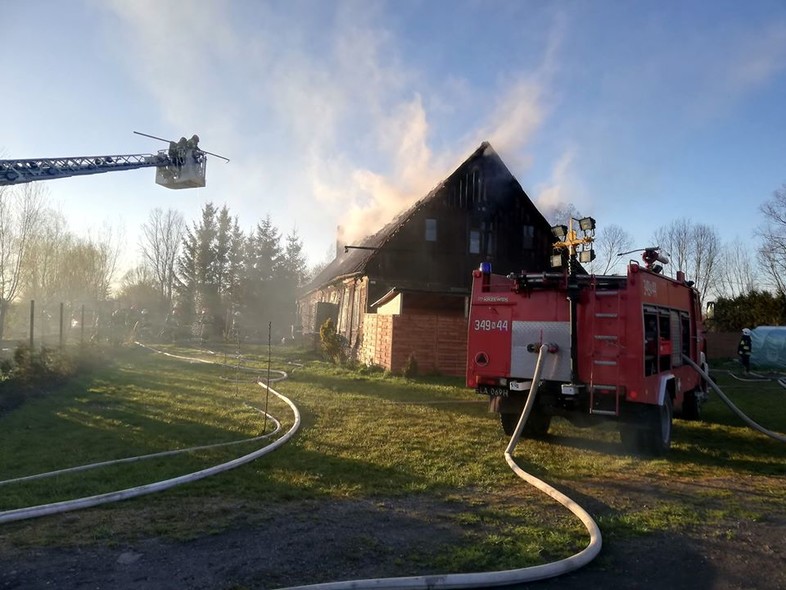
x,y
345,112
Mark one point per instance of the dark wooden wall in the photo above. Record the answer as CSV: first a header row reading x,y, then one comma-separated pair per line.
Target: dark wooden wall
x,y
483,197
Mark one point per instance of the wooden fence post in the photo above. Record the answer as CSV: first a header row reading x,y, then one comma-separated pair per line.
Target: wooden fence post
x,y
61,326
32,322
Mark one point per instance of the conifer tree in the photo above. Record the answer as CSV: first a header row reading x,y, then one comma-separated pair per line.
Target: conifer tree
x,y
197,271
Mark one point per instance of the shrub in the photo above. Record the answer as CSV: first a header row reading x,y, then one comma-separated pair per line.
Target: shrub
x,y
371,369
410,369
333,344
34,370
39,366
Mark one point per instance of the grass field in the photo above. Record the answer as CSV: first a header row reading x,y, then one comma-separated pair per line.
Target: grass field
x,y
365,435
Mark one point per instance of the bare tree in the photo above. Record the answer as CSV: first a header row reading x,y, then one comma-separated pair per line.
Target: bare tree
x,y
20,211
560,213
45,259
138,288
772,251
162,236
610,241
736,271
703,260
674,240
87,268
105,253
60,267
694,249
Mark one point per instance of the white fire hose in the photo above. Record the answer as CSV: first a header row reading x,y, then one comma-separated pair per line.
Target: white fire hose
x,y
89,466
471,580
134,492
728,402
504,577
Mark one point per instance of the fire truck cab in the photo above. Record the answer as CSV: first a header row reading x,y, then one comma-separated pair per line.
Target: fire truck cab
x,y
615,350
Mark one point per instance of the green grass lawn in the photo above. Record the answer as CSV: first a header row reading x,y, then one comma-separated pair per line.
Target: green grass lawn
x,y
366,435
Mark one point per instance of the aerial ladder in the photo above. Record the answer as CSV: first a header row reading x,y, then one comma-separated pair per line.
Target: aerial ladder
x,y
182,165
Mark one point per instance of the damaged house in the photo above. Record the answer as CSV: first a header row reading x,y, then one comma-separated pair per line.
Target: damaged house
x,y
404,290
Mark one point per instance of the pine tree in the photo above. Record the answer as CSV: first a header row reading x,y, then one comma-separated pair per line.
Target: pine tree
x,y
221,252
197,273
236,270
294,259
186,277
263,261
292,273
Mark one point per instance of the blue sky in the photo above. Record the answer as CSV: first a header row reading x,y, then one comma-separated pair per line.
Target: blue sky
x,y
343,113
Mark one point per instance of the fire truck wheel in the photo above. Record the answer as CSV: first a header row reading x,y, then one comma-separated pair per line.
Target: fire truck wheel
x,y
657,433
629,435
537,424
647,429
509,422
691,408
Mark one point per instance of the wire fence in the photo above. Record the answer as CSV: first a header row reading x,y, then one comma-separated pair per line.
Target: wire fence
x,y
60,324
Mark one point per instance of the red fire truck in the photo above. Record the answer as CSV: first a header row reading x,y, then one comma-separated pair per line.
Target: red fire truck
x,y
615,349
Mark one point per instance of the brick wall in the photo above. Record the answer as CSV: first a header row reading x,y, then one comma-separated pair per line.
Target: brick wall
x,y
377,337
438,342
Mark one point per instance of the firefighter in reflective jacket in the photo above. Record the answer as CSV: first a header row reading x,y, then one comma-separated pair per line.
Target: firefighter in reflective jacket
x,y
744,349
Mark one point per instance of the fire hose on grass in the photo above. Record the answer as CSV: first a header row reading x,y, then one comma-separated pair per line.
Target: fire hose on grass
x,y
161,454
134,492
470,580
728,402
504,577
530,574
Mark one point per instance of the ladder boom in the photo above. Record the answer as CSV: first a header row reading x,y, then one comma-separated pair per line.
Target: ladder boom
x,y
19,171
184,170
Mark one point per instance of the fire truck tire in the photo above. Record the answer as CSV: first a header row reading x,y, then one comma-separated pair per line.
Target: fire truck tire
x,y
508,422
657,432
629,435
691,408
537,424
647,429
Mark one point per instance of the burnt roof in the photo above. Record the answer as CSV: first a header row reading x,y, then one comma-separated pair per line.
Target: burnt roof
x,y
353,261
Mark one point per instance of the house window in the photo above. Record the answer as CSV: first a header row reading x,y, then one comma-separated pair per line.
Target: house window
x,y
481,241
474,241
528,234
487,229
431,230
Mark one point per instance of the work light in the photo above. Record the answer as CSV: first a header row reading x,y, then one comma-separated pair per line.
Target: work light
x,y
560,231
587,223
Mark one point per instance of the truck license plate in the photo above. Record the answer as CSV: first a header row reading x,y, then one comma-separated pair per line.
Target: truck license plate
x,y
493,391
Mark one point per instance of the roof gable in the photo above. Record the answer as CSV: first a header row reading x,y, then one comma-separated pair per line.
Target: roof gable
x,y
354,260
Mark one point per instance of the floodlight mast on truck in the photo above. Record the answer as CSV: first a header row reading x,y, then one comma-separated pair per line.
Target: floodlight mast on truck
x,y
575,247
616,344
182,165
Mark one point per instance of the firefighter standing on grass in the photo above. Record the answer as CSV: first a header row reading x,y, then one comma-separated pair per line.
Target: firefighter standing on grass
x,y
744,349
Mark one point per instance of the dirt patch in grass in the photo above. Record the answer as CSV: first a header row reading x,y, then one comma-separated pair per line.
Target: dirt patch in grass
x,y
737,540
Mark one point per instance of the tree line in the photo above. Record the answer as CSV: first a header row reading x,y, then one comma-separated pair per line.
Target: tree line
x,y
214,280
207,276
211,275
40,259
